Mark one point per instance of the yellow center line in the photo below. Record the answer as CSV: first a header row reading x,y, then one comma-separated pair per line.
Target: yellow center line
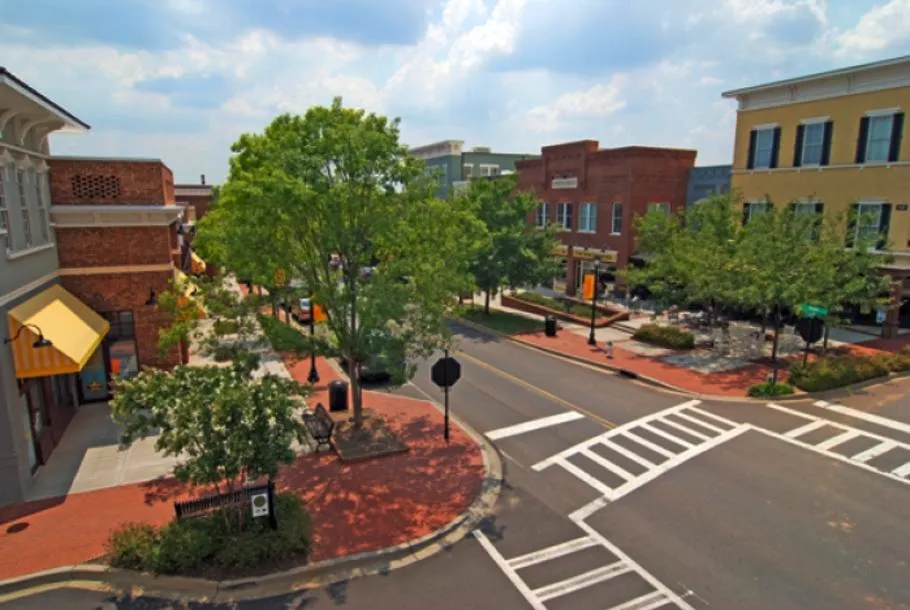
x,y
539,391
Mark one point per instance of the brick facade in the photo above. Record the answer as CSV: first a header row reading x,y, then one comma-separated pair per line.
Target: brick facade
x,y
128,292
110,246
633,176
76,181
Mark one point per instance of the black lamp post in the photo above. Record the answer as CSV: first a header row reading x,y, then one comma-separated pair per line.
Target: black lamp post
x,y
592,340
313,377
39,342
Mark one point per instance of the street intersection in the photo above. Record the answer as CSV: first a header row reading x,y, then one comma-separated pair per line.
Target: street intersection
x,y
619,496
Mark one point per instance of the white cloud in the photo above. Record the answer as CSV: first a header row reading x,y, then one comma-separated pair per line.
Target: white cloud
x,y
882,27
595,102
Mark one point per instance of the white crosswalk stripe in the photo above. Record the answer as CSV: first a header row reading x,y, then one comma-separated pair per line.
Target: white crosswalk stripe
x,y
827,447
694,431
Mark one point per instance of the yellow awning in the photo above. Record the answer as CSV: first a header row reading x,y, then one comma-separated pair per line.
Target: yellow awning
x,y
196,263
182,279
73,328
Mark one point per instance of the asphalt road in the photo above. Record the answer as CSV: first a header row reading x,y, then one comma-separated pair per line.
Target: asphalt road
x,y
711,505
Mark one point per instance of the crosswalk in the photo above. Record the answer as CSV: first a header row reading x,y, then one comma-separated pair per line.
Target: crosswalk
x,y
659,595
649,446
874,446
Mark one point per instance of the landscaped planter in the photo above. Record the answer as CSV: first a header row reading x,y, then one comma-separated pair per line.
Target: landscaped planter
x,y
600,322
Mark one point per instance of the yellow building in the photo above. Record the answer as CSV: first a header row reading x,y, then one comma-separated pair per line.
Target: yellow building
x,y
830,141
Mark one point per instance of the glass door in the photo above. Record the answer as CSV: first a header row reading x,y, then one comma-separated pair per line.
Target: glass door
x,y
93,381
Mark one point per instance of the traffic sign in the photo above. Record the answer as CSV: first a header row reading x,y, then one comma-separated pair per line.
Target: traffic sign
x,y
810,329
813,311
446,372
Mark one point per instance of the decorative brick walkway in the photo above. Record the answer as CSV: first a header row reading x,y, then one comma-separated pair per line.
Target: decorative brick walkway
x,y
354,508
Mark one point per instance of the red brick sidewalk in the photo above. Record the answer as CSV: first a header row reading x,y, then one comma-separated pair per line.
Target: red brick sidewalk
x,y
354,508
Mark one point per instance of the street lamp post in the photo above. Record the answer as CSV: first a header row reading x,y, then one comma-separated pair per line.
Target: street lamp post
x,y
592,340
313,377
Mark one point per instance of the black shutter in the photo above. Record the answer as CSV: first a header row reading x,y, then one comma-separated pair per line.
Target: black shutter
x,y
826,143
884,225
897,131
819,208
861,140
775,150
819,220
750,161
798,146
851,225
746,211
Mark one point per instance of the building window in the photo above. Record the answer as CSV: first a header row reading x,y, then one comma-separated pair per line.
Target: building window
x,y
43,220
753,209
663,208
564,216
587,218
489,170
616,227
763,144
23,203
543,213
813,143
4,210
122,325
870,220
443,176
878,138
806,208
467,171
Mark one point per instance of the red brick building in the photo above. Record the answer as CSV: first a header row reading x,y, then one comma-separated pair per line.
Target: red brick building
x,y
196,199
594,195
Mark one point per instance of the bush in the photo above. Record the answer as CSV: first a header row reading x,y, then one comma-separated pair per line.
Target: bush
x,y
283,337
770,390
665,336
576,309
838,371
196,545
225,327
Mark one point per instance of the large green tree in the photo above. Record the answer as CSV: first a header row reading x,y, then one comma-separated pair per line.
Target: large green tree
x,y
337,184
511,252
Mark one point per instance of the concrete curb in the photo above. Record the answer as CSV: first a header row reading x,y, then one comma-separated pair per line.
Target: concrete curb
x,y
833,393
305,577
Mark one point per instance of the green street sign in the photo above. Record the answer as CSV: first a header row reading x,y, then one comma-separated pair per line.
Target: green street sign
x,y
813,311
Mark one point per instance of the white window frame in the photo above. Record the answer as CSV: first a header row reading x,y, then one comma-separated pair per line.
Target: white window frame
x,y
21,180
616,221
757,207
487,170
820,145
862,209
4,203
880,117
564,215
587,217
44,220
661,206
467,170
804,207
542,214
763,129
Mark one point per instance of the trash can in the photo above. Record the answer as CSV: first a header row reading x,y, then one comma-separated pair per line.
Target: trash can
x,y
338,395
550,326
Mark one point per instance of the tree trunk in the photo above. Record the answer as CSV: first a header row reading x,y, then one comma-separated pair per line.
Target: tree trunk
x,y
774,344
486,302
354,363
825,340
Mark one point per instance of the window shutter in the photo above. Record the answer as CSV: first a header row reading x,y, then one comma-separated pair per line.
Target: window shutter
x,y
819,208
750,161
775,149
897,131
746,213
826,143
884,225
851,225
861,140
798,146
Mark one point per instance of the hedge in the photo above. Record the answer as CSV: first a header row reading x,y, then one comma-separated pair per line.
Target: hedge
x,y
576,309
770,390
665,336
839,371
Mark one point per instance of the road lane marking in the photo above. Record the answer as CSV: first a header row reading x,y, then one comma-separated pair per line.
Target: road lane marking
x,y
576,583
606,423
874,451
834,441
649,601
878,420
812,425
534,424
511,574
902,471
551,552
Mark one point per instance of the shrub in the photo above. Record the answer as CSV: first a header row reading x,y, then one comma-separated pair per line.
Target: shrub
x,y
225,327
193,545
576,309
769,390
283,337
838,371
665,336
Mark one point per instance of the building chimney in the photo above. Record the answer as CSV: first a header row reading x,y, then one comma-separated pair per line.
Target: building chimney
x,y
202,178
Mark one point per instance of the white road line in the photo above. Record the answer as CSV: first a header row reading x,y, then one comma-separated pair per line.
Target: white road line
x,y
646,443
721,420
699,422
651,580
902,471
570,585
602,489
874,451
812,425
614,446
878,420
588,509
673,439
649,601
836,440
615,469
534,424
669,422
551,552
513,577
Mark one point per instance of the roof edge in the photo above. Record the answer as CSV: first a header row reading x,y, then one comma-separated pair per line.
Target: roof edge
x,y
70,119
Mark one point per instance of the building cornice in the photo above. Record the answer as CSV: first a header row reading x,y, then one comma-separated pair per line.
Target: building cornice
x,y
84,216
192,191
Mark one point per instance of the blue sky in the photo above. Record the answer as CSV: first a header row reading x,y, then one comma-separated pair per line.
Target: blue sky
x,y
181,79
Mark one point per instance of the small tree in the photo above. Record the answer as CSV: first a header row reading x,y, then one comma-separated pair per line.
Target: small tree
x,y
510,252
224,426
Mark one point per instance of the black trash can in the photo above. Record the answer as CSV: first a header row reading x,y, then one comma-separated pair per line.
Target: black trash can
x,y
550,326
338,395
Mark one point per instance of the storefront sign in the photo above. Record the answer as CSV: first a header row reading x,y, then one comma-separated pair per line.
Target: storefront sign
x,y
588,290
604,256
564,183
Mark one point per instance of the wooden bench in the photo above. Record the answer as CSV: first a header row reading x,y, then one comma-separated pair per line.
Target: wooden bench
x,y
206,504
320,426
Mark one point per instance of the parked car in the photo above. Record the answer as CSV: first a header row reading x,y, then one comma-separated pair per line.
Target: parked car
x,y
302,309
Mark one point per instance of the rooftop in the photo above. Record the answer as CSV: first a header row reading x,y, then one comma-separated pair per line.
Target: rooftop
x,y
37,103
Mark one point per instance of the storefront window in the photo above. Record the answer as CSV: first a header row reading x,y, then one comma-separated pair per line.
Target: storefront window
x,y
37,405
124,363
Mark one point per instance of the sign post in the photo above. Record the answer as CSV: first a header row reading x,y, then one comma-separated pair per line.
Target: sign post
x,y
811,330
445,373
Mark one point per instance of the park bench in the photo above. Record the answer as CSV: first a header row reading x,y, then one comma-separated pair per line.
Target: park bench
x,y
320,426
205,504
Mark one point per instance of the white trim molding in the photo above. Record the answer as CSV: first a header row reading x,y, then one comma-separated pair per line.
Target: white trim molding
x,y
114,269
882,112
24,163
22,291
6,158
823,168
192,191
81,216
41,166
764,126
12,255
814,120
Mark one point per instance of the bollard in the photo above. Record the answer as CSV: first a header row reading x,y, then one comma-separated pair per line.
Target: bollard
x,y
609,349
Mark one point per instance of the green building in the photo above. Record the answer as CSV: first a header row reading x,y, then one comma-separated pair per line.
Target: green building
x,y
457,166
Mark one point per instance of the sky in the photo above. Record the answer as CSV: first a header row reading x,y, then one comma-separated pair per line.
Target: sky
x,y
180,80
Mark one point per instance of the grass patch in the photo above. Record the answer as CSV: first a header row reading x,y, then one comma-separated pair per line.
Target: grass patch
x,y
770,390
665,336
501,321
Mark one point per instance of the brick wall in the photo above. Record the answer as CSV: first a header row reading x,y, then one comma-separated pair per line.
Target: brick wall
x,y
129,292
115,246
115,182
